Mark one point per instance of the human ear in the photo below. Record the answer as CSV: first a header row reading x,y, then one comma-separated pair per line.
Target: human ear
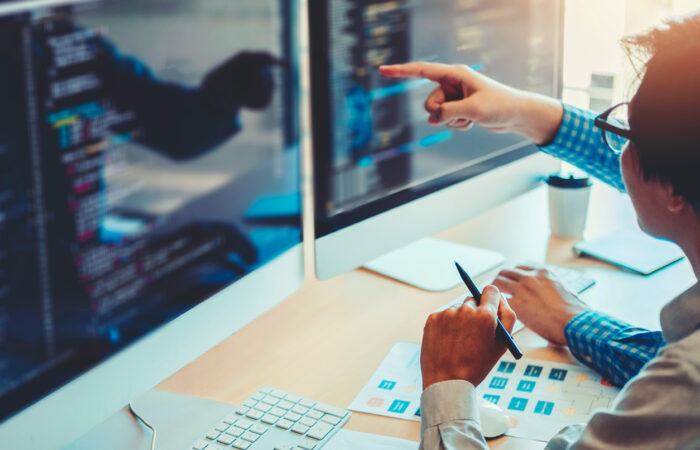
x,y
676,203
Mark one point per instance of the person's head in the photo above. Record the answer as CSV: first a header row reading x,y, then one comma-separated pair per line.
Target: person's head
x,y
661,166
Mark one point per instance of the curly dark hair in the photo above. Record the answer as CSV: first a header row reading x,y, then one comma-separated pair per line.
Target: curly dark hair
x,y
665,111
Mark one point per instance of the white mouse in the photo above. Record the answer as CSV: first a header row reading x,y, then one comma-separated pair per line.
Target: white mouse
x,y
494,421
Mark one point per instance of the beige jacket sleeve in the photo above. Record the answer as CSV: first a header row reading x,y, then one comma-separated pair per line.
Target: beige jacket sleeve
x,y
658,409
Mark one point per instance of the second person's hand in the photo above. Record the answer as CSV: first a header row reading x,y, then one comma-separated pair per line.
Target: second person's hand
x,y
465,97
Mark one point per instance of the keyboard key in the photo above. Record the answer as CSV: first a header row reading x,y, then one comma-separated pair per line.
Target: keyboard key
x,y
270,400
320,430
284,404
292,416
255,414
244,423
285,424
226,439
279,412
248,436
306,402
278,393
292,398
213,434
269,419
308,421
213,446
328,409
250,403
283,446
265,389
300,410
258,429
258,396
235,431
307,444
223,426
299,428
314,414
230,418
200,445
241,444
330,419
242,410
264,407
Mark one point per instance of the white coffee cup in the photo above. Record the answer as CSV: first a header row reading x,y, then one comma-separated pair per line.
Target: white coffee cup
x,y
568,204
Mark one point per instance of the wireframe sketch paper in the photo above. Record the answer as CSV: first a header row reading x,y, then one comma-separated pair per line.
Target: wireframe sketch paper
x,y
540,397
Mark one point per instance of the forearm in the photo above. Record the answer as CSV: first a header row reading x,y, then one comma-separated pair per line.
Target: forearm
x,y
612,347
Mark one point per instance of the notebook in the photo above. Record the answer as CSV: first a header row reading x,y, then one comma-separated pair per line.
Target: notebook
x,y
633,250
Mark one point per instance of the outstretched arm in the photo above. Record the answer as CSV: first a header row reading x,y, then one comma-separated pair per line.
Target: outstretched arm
x,y
465,97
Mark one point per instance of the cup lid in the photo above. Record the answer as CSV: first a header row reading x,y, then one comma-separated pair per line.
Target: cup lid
x,y
568,180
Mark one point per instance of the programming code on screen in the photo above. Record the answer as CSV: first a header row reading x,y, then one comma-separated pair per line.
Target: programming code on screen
x,y
137,140
380,142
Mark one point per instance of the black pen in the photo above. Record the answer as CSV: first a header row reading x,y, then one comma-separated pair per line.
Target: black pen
x,y
500,329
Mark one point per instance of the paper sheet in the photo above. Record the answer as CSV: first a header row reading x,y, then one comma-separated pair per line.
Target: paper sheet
x,y
395,387
540,397
353,440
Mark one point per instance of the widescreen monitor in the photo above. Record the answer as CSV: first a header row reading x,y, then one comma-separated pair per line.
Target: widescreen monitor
x,y
149,186
383,177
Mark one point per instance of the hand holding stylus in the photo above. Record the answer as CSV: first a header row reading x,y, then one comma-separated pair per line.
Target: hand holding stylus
x,y
461,343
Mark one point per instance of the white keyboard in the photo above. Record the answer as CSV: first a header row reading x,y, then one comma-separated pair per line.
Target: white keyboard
x,y
275,419
574,279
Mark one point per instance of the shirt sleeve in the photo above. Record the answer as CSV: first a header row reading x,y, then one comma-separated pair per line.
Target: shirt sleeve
x,y
656,410
614,348
450,418
580,143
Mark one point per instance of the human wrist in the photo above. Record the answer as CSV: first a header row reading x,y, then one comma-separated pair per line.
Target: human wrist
x,y
463,374
538,117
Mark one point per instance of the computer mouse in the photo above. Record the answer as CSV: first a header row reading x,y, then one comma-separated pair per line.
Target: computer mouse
x,y
494,421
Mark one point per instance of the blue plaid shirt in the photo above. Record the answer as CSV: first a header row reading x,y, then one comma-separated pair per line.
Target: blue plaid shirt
x,y
612,347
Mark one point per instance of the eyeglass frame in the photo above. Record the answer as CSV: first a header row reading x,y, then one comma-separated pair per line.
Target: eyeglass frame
x,y
601,121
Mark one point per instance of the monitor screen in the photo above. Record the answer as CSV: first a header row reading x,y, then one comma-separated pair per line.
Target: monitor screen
x,y
148,159
374,149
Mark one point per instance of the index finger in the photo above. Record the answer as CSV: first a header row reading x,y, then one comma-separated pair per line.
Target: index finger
x,y
432,71
490,299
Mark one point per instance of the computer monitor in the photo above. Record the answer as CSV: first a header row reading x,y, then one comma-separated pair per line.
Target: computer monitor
x,y
383,177
149,190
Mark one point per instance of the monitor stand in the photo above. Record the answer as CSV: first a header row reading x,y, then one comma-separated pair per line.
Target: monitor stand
x,y
429,263
180,420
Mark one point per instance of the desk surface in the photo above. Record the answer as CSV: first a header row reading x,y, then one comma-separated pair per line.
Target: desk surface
x,y
326,340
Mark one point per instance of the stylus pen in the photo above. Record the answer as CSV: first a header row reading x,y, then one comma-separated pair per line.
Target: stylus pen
x,y
500,329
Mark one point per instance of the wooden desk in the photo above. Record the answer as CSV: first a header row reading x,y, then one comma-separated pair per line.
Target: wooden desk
x,y
325,341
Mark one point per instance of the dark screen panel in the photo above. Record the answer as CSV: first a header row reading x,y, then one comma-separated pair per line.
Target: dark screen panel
x,y
148,159
373,147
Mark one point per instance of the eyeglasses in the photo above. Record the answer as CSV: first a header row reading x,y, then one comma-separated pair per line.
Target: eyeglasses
x,y
614,124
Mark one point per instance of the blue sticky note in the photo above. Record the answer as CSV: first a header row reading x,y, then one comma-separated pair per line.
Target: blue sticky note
x,y
533,371
544,408
399,406
557,374
506,367
517,404
526,386
386,384
498,383
492,398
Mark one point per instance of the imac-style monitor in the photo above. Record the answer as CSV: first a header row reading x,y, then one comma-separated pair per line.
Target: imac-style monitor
x,y
383,176
149,186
